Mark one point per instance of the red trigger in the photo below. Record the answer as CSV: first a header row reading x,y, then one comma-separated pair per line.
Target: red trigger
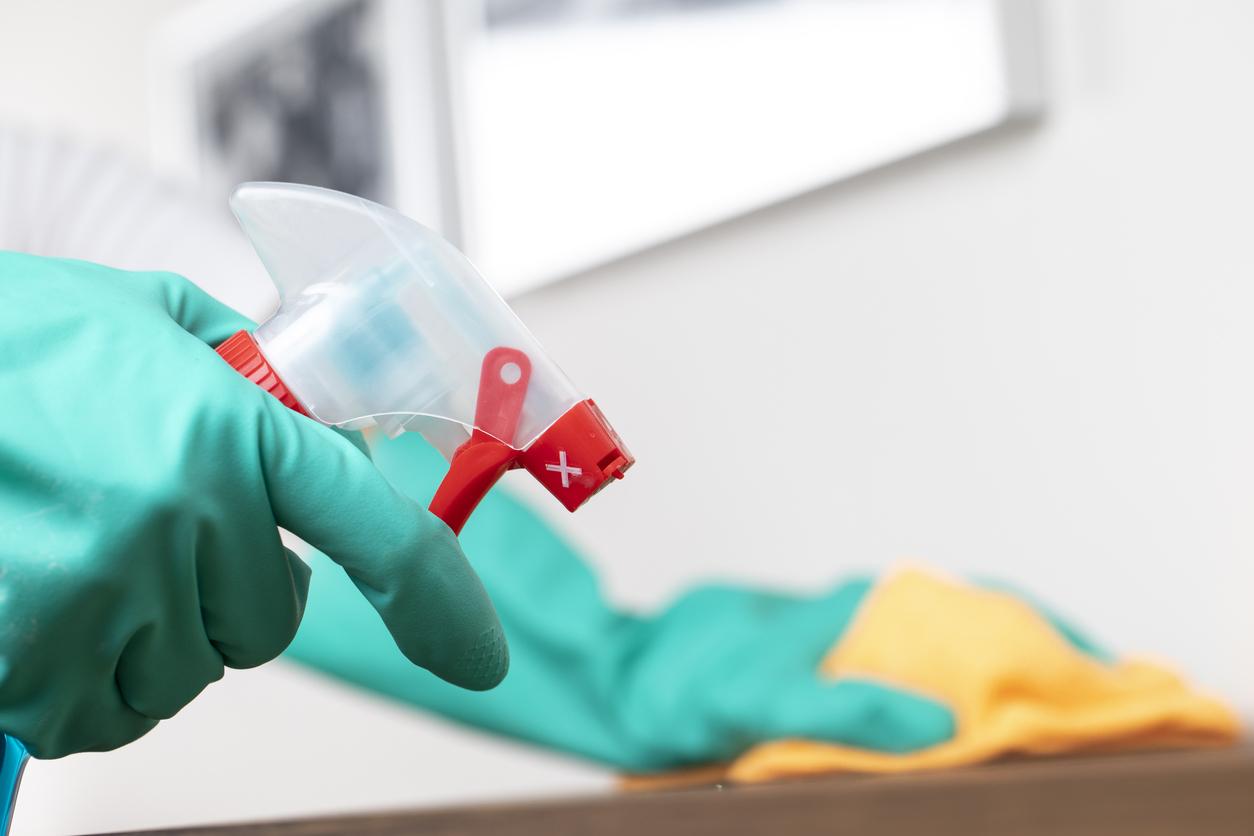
x,y
484,458
502,390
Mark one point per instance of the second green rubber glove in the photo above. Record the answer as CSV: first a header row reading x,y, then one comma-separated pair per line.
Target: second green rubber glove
x,y
720,670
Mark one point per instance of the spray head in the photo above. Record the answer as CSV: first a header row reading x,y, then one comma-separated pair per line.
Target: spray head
x,y
381,322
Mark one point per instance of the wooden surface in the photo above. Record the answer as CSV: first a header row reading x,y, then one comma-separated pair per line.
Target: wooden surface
x,y
1156,794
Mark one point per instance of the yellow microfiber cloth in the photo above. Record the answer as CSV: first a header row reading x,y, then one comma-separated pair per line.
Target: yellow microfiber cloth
x,y
1013,682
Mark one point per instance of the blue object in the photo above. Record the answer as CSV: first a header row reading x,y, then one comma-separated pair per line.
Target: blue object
x,y
13,757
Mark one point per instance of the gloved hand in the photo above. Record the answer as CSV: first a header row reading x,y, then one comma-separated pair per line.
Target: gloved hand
x,y
142,481
728,667
720,670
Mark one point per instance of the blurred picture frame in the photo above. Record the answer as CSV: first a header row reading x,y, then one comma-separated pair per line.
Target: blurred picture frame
x,y
348,94
545,137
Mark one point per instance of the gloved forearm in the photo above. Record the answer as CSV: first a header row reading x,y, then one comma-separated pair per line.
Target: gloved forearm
x,y
564,638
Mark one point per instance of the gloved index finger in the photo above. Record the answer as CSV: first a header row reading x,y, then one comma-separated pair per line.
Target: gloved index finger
x,y
402,558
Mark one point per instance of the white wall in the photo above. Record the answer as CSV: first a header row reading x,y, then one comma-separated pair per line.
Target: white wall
x,y
79,67
1026,355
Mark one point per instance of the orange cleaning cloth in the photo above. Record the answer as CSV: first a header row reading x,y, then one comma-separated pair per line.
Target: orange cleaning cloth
x,y
1013,682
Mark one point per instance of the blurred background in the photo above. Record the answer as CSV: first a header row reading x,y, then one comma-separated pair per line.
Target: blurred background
x,y
961,281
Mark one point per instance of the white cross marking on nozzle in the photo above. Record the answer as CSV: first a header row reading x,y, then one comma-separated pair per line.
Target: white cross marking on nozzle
x,y
566,470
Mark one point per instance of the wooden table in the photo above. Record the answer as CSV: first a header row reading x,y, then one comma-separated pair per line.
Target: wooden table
x,y
1207,793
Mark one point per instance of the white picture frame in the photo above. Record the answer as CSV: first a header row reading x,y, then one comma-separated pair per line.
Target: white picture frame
x,y
479,139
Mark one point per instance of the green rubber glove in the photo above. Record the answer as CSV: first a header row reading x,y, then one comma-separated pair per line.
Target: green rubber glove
x,y
720,670
142,482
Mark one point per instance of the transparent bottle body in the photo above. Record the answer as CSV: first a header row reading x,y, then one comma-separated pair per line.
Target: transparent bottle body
x,y
382,322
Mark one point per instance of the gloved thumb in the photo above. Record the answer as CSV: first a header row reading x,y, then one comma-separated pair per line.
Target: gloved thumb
x,y
858,713
403,559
